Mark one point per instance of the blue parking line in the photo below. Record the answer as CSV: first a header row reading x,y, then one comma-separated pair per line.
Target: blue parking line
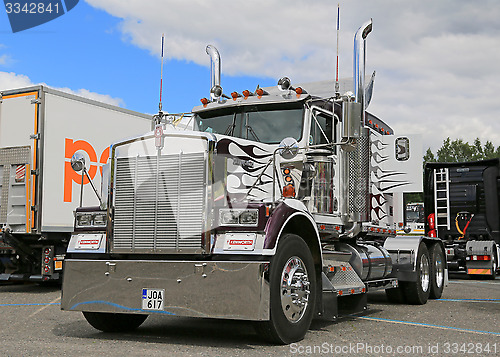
x,y
495,301
492,282
429,325
34,304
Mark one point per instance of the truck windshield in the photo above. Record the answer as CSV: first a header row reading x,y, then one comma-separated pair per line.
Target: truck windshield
x,y
268,124
412,216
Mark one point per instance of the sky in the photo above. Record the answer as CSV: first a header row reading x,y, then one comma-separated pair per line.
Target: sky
x,y
436,62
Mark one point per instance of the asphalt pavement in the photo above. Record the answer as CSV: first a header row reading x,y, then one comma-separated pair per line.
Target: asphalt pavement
x,y
464,322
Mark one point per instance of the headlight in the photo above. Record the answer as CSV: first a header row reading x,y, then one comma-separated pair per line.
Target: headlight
x,y
90,220
238,217
83,220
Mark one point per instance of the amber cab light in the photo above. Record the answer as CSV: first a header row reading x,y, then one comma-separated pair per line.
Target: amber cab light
x,y
289,191
299,90
204,101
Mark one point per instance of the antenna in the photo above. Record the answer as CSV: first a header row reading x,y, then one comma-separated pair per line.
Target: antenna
x,y
161,75
337,87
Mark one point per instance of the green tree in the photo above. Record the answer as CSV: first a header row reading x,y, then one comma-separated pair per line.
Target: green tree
x,y
459,151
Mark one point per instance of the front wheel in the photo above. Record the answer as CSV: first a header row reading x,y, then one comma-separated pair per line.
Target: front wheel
x,y
109,322
292,282
417,292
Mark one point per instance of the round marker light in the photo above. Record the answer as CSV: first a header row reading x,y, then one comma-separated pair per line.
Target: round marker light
x,y
260,92
289,191
299,90
246,93
204,101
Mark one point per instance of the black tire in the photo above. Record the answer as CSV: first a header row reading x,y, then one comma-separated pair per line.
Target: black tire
x,y
396,295
494,267
289,319
109,322
417,292
438,267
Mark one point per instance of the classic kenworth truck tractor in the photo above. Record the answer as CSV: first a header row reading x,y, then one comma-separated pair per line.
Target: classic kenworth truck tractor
x,y
276,208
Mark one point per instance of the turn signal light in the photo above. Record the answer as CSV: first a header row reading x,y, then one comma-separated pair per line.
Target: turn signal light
x,y
289,191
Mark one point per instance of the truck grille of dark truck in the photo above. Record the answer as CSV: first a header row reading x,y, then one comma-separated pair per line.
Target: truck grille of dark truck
x,y
159,203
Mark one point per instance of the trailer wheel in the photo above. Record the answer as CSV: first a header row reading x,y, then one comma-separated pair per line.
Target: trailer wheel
x,y
292,283
417,292
109,322
438,263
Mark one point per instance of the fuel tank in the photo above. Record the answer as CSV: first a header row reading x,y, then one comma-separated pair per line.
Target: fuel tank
x,y
369,261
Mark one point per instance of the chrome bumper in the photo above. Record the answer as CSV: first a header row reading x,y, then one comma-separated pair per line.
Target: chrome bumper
x,y
230,290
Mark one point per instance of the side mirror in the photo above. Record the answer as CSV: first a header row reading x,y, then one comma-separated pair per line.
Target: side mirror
x,y
78,164
78,161
288,148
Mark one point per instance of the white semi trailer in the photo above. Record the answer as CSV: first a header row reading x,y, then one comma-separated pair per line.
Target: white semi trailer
x,y
40,130
277,209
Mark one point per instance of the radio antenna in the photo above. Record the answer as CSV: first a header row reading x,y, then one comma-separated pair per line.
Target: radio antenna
x,y
337,87
161,75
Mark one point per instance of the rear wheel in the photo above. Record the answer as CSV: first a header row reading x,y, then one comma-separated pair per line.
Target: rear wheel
x,y
417,292
109,322
292,284
494,267
438,264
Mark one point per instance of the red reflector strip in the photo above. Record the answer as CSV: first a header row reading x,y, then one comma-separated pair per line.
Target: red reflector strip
x,y
20,173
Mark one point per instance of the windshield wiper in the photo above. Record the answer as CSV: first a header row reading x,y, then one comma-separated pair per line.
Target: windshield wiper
x,y
230,129
249,129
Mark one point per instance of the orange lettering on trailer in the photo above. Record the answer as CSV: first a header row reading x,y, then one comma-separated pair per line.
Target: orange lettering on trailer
x,y
71,176
104,158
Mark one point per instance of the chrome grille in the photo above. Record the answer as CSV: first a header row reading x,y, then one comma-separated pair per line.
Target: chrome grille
x,y
359,175
159,203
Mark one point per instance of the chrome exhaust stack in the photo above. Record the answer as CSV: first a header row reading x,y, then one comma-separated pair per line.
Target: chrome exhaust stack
x,y
359,64
355,163
215,87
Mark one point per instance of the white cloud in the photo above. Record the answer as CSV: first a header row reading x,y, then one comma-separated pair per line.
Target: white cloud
x,y
4,59
436,61
10,80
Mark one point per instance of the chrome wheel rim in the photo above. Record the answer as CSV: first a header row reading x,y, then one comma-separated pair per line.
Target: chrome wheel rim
x,y
294,289
424,273
439,272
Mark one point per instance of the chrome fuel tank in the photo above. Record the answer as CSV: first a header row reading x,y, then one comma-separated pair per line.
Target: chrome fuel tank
x,y
369,261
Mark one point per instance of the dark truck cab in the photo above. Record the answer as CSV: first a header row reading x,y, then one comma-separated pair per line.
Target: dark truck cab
x,y
462,209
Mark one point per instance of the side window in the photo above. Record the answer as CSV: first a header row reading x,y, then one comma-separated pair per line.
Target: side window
x,y
321,129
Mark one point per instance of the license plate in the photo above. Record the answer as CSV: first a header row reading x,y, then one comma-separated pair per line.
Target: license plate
x,y
152,299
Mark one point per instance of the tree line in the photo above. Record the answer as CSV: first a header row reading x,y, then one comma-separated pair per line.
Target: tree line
x,y
456,151
460,151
